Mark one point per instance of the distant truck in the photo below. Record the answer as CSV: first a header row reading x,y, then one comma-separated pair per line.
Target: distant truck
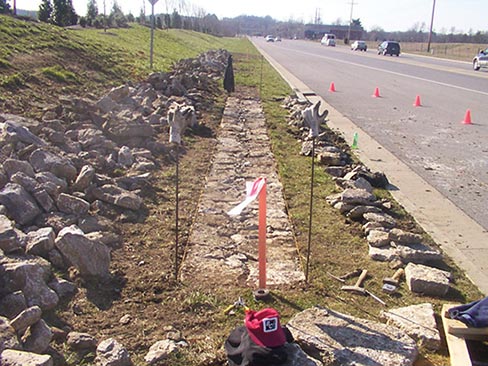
x,y
328,40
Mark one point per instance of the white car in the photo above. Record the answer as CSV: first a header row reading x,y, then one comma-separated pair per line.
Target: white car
x,y
270,38
328,40
359,46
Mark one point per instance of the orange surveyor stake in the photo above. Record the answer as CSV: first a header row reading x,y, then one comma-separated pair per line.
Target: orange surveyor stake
x,y
376,93
332,87
417,101
262,237
467,118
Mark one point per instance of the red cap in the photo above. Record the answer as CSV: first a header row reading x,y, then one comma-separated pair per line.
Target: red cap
x,y
264,327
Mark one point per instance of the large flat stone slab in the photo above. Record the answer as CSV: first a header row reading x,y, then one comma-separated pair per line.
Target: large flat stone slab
x,y
351,341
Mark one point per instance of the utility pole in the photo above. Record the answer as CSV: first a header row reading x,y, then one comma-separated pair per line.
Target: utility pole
x,y
350,21
431,25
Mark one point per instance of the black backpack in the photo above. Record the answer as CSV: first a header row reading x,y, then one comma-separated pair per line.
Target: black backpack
x,y
242,351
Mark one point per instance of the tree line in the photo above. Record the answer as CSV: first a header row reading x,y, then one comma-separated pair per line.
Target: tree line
x,y
185,15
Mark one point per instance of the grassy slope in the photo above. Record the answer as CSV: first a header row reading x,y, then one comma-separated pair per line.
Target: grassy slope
x,y
40,62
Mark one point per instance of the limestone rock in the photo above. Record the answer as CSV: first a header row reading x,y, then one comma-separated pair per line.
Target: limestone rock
x,y
382,219
37,337
160,351
418,321
62,287
125,157
60,166
358,211
427,280
296,357
29,183
352,341
9,242
16,129
358,197
26,318
30,277
12,304
20,205
13,166
72,205
112,353
11,357
8,338
418,253
53,184
88,256
403,237
118,196
81,341
378,238
44,199
84,178
40,242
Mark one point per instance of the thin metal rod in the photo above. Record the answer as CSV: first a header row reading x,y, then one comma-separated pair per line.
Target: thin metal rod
x,y
177,210
261,77
311,211
151,51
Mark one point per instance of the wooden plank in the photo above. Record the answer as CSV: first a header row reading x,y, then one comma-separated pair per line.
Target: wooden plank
x,y
459,329
458,349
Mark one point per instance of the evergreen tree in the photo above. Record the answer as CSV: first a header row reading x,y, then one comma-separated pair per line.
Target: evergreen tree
x,y
117,17
45,11
92,12
64,14
176,20
142,17
4,7
167,21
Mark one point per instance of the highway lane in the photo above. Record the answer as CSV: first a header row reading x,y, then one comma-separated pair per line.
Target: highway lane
x,y
431,140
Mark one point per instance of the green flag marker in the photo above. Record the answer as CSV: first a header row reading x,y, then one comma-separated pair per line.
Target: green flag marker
x,y
355,141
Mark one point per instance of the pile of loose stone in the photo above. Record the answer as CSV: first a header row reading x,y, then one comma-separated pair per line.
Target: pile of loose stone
x,y
387,242
65,181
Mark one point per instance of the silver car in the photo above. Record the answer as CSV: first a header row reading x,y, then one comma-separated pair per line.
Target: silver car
x,y
480,60
359,46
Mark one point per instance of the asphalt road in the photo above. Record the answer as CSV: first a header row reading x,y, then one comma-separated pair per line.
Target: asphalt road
x,y
430,139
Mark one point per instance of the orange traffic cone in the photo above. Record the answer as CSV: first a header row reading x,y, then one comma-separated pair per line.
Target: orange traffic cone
x,y
332,87
417,101
467,118
376,93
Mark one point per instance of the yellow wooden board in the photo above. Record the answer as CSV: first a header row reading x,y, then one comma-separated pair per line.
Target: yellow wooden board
x,y
458,349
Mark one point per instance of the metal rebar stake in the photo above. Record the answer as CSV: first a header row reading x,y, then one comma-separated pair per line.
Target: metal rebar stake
x,y
311,211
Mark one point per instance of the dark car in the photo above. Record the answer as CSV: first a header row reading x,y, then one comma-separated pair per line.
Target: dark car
x,y
389,48
480,60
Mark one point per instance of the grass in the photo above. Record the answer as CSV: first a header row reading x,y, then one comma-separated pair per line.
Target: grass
x,y
92,61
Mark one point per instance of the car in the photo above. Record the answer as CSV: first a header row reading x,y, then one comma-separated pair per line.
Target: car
x,y
328,40
278,39
480,60
359,45
389,48
270,38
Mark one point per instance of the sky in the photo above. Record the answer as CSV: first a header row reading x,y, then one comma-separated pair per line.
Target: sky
x,y
390,15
